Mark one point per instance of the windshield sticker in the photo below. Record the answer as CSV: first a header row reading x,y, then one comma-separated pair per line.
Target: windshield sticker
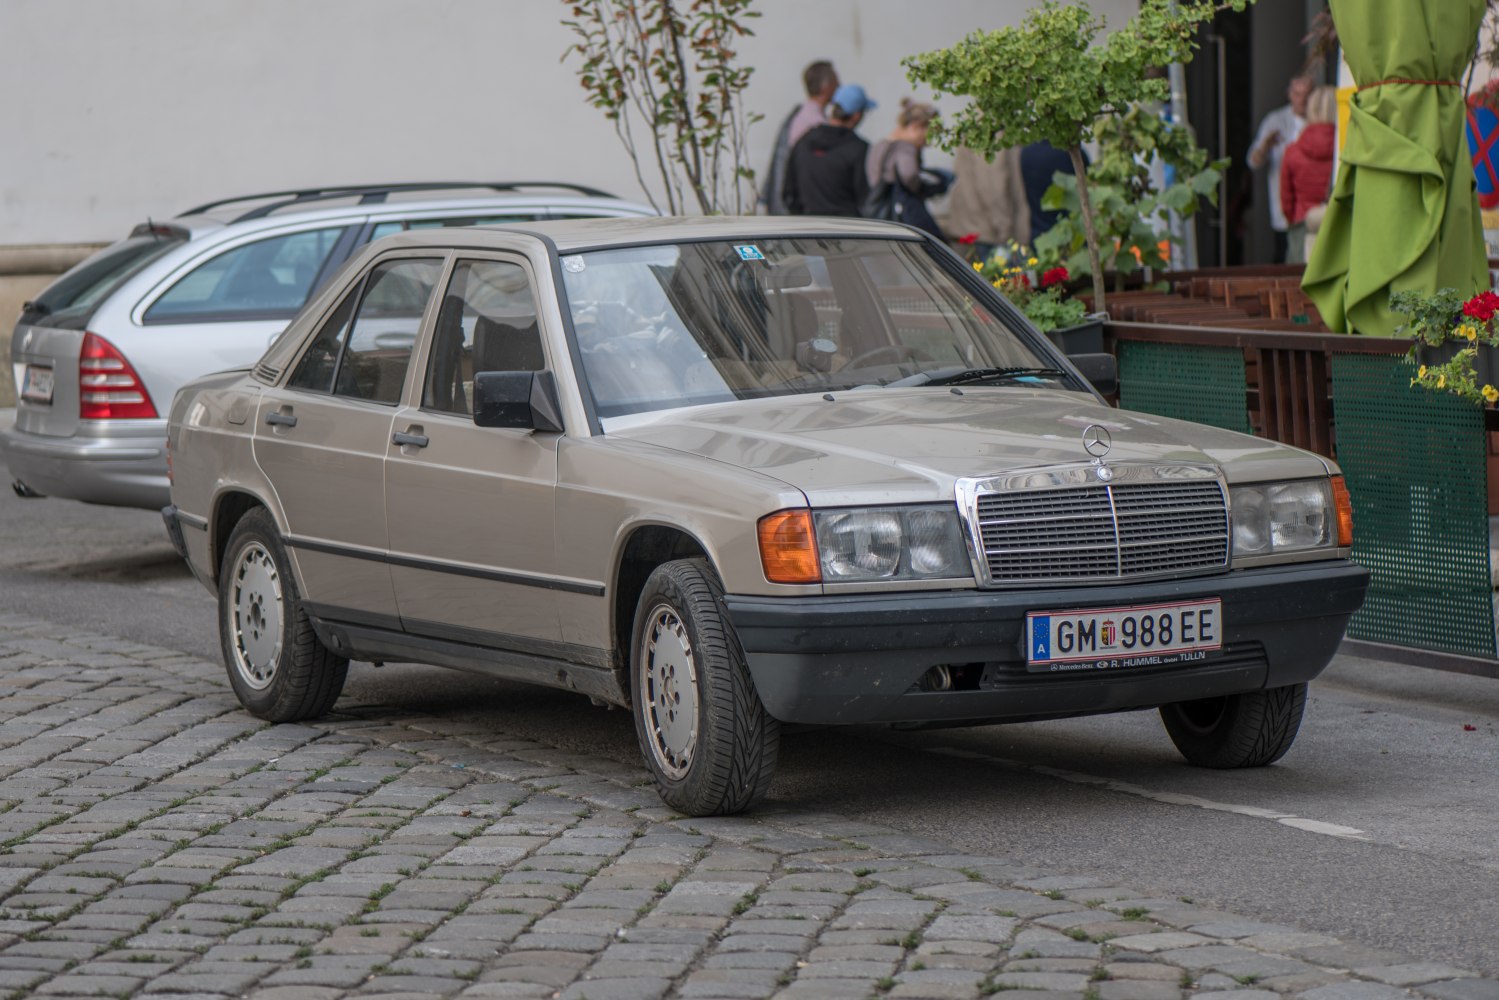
x,y
749,252
573,264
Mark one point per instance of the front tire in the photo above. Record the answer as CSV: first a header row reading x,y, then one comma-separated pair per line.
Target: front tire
x,y
278,668
703,731
1241,730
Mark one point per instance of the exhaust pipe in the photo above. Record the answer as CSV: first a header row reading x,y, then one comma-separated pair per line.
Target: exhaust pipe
x,y
25,492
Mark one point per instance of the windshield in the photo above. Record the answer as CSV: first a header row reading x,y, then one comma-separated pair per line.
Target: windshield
x,y
681,325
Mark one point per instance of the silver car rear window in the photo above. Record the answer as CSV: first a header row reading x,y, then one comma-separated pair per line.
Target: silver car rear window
x,y
71,300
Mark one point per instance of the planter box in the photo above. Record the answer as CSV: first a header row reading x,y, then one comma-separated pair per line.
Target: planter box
x,y
1085,338
1485,365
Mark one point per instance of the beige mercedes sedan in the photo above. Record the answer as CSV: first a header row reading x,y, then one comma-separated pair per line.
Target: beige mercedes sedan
x,y
731,473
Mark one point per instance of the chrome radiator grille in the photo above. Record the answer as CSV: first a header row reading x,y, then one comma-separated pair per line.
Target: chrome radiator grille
x,y
1098,531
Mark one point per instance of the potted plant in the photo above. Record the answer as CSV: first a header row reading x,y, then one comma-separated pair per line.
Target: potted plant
x,y
1044,297
1453,342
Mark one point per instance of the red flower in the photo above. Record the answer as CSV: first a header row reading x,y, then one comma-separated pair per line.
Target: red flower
x,y
1055,276
1482,306
968,239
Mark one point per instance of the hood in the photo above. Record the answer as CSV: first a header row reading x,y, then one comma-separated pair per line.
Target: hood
x,y
826,137
911,445
1317,141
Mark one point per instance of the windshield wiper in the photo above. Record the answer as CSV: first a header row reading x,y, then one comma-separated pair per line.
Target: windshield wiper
x,y
975,376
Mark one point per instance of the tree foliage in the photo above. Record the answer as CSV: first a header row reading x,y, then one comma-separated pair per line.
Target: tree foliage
x,y
1129,212
670,67
1050,79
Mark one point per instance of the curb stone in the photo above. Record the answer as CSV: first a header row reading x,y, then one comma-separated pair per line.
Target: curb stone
x,y
158,841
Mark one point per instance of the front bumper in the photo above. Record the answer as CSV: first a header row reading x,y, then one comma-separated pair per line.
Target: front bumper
x,y
124,471
858,658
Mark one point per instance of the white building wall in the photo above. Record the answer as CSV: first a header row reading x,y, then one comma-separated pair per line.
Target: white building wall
x,y
116,110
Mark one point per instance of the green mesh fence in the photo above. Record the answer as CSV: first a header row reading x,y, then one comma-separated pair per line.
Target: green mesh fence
x,y
1189,382
1414,461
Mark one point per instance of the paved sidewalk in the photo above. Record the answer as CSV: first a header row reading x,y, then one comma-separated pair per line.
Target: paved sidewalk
x,y
158,840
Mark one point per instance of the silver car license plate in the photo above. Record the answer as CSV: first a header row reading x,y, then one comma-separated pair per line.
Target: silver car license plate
x,y
36,386
1113,638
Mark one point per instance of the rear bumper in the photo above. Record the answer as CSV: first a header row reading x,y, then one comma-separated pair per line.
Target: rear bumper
x,y
124,471
826,660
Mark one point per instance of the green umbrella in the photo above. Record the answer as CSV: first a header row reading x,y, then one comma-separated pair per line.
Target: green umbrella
x,y
1414,223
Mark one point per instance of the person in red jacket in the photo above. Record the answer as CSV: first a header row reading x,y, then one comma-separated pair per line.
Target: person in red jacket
x,y
1306,171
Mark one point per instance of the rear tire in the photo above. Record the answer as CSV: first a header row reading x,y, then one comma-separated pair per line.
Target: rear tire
x,y
703,731
1241,730
278,668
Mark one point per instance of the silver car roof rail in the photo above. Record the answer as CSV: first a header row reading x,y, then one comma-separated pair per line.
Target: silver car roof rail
x,y
374,193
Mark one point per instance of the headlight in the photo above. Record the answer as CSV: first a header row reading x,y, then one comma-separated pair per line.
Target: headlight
x,y
1277,518
863,545
890,543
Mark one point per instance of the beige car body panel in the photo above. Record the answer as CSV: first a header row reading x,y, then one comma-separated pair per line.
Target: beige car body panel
x,y
473,505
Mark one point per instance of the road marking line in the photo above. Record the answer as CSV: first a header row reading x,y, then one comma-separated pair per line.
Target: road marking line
x,y
1169,798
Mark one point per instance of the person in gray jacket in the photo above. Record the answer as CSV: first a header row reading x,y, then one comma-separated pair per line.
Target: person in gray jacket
x,y
896,159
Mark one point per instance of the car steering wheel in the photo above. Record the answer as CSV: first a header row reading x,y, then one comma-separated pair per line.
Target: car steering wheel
x,y
900,352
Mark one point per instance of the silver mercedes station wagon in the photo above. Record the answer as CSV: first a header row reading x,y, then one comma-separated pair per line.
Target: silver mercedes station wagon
x,y
732,473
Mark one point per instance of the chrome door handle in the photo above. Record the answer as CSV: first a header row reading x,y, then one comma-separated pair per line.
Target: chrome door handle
x,y
415,440
281,419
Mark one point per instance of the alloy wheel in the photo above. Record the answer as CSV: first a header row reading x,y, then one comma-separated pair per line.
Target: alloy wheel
x,y
668,691
256,609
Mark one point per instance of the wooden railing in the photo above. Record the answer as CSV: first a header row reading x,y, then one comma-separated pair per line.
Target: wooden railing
x,y
1288,384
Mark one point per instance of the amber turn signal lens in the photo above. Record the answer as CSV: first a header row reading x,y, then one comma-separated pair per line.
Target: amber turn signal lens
x,y
1344,505
788,548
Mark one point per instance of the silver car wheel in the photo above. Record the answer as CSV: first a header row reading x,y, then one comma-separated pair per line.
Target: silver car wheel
x,y
256,609
668,691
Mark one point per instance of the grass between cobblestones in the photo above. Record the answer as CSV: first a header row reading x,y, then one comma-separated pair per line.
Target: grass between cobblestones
x,y
155,839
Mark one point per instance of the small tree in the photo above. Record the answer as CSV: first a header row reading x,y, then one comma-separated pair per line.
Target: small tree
x,y
1046,80
672,62
1129,213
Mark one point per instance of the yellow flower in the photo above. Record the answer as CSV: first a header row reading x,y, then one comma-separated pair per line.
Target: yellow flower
x,y
1490,394
1422,372
997,284
1468,331
1032,262
1442,381
978,265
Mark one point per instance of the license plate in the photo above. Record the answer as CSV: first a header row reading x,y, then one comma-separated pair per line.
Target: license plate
x,y
1114,638
37,384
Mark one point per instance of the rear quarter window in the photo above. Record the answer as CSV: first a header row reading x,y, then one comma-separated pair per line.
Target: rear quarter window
x,y
266,279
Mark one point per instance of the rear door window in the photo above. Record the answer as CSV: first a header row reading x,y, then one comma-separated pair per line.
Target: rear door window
x,y
266,279
70,301
363,353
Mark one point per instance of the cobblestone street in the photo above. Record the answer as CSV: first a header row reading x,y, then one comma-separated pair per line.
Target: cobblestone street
x,y
159,840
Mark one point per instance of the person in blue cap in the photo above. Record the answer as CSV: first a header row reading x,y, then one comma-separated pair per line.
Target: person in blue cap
x,y
826,175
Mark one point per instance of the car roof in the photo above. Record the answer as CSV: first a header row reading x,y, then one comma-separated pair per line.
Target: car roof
x,y
573,235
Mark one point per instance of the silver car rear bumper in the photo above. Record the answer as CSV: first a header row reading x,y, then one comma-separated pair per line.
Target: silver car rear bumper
x,y
121,471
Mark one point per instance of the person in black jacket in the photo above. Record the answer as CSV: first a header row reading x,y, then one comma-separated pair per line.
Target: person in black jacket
x,y
826,175
821,81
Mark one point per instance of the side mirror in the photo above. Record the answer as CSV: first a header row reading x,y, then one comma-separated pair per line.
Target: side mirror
x,y
527,400
1101,370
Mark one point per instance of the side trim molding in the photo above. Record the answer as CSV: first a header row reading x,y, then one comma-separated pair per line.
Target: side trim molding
x,y
453,569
